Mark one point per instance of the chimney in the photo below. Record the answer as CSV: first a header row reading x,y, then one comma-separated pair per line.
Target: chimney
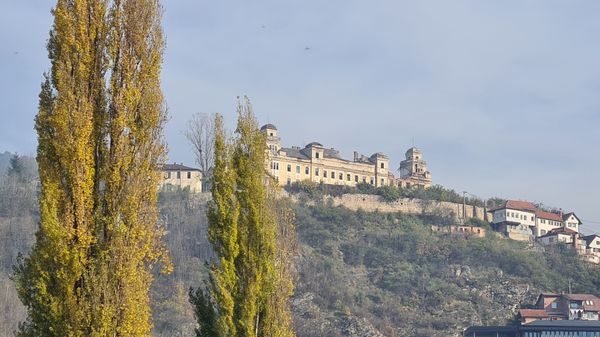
x,y
355,156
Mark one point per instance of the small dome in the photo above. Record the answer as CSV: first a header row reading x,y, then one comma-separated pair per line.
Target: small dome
x,y
314,144
268,126
412,150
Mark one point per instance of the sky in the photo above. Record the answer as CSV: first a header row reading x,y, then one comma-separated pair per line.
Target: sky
x,y
501,96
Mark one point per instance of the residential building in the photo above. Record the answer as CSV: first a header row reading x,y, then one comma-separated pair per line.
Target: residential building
x,y
522,220
592,243
180,176
542,328
413,170
566,237
319,164
550,306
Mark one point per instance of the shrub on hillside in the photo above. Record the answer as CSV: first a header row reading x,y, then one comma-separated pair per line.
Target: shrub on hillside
x,y
388,193
365,188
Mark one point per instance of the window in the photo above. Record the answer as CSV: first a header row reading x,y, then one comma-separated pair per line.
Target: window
x,y
382,165
189,175
178,174
297,168
382,182
317,172
324,173
289,168
341,176
332,175
532,218
169,175
317,155
306,170
554,305
364,179
372,180
355,178
348,177
289,181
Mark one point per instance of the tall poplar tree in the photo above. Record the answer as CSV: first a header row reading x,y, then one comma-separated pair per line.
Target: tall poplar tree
x,y
99,131
251,232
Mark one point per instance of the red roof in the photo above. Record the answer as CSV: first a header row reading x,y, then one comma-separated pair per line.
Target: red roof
x,y
595,306
560,230
582,297
533,313
519,205
549,216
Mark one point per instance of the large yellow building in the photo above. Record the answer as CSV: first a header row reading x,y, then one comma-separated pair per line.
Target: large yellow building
x,y
316,163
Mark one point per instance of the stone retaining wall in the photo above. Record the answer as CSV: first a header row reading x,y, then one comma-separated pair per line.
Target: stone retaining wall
x,y
371,203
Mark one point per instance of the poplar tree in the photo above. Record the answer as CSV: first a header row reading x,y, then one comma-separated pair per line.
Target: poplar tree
x,y
223,214
99,129
251,232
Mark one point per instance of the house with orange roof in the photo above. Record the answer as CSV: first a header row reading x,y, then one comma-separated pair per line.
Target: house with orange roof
x,y
524,221
551,306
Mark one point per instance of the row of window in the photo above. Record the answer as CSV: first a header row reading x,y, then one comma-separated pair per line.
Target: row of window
x,y
515,215
562,334
332,174
551,222
518,216
189,175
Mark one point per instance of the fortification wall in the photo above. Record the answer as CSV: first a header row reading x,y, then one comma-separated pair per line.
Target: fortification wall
x,y
371,203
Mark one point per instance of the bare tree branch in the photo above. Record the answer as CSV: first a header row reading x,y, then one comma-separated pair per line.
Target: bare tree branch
x,y
200,132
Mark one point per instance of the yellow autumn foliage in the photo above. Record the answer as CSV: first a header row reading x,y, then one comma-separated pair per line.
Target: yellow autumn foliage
x,y
99,129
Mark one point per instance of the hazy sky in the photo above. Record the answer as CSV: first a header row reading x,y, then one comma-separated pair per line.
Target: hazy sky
x,y
502,96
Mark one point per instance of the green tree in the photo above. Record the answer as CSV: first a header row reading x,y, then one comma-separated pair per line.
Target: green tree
x,y
251,233
99,143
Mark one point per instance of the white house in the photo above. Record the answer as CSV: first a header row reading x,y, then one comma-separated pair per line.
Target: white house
x,y
181,176
522,220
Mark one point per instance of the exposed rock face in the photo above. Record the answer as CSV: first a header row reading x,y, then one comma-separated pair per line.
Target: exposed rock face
x,y
311,321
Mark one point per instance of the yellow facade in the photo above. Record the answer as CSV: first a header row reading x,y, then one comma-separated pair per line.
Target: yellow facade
x,y
318,164
180,176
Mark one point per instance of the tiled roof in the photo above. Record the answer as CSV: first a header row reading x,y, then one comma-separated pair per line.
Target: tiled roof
x,y
305,154
549,216
560,230
294,153
536,313
517,205
595,306
177,167
527,206
331,153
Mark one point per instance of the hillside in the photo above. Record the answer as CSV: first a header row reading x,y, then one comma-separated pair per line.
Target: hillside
x,y
385,274
358,273
391,271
